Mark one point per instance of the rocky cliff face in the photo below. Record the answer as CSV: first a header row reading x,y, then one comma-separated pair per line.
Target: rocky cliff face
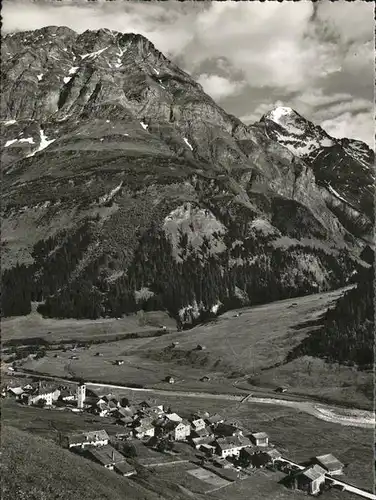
x,y
125,186
343,168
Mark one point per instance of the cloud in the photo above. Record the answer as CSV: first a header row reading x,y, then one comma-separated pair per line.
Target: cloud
x,y
355,126
218,86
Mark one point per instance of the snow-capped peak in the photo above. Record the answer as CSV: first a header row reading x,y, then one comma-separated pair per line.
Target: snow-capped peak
x,y
294,132
287,118
277,114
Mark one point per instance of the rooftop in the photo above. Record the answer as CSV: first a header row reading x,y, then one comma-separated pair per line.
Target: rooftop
x,y
227,443
259,435
107,455
313,472
124,468
274,454
329,461
84,437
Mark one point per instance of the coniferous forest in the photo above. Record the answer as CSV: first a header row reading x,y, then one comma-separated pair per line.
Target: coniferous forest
x,y
347,334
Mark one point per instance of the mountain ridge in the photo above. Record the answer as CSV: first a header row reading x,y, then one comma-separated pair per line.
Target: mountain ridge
x,y
115,149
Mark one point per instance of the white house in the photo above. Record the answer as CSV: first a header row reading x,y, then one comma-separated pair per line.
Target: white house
x,y
182,431
198,424
230,446
48,395
90,438
259,438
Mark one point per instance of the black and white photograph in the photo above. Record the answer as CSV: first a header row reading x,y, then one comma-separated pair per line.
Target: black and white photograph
x,y
187,250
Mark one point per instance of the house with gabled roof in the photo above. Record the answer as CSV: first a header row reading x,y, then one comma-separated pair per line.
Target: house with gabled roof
x,y
173,417
259,438
330,463
84,439
197,442
125,469
198,424
230,446
214,419
15,392
259,456
224,429
175,430
45,391
106,456
311,479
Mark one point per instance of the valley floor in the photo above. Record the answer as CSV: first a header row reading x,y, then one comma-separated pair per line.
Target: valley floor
x,y
240,352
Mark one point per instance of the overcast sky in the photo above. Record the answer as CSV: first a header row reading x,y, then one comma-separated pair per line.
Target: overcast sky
x,y
249,56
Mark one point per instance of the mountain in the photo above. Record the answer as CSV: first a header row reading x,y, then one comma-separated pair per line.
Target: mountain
x,y
125,186
344,168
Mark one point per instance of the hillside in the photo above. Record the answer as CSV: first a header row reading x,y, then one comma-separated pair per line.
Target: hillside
x,y
65,476
126,187
347,330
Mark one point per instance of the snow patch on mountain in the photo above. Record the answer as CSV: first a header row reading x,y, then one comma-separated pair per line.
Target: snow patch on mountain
x,y
40,76
188,143
286,118
111,194
144,125
10,122
73,70
67,79
30,140
93,54
336,194
295,133
44,143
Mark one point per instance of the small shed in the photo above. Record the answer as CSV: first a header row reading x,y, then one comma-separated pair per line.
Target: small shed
x,y
259,438
311,479
125,469
329,463
170,379
106,456
200,347
281,389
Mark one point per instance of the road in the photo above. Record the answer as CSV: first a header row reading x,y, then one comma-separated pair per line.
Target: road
x,y
333,414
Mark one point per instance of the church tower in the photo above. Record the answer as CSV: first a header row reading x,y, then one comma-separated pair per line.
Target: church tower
x,y
81,395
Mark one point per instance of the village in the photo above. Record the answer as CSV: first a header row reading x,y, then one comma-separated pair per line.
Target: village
x,y
224,452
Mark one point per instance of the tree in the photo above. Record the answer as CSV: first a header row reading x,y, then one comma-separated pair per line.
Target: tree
x,y
128,450
41,403
164,445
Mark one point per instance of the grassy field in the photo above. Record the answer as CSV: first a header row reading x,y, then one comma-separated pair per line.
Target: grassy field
x,y
57,330
249,350
266,484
